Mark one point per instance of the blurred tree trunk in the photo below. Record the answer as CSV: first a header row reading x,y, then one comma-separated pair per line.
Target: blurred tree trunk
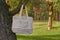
x,y
57,16
36,9
50,11
6,20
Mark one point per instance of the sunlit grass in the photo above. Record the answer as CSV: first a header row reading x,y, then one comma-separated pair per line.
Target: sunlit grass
x,y
40,32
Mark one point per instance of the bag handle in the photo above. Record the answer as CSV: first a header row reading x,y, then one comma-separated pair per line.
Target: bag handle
x,y
20,13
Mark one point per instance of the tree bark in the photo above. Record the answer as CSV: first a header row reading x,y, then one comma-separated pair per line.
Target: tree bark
x,y
6,20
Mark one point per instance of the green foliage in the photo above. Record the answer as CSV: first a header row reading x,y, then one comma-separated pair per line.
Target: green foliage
x,y
57,6
30,14
13,3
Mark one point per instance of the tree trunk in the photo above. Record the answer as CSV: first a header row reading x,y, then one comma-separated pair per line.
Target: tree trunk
x,y
50,21
6,21
50,11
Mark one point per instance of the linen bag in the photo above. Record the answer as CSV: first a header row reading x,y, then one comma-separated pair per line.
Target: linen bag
x,y
22,24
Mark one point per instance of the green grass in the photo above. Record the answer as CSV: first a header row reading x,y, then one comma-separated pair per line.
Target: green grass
x,y
40,32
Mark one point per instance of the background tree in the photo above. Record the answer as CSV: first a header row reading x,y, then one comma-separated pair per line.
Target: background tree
x,y
50,11
57,10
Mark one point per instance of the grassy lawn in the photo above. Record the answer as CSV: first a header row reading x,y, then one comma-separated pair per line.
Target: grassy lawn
x,y
40,32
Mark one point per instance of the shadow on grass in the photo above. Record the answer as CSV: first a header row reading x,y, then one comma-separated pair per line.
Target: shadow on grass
x,y
39,24
44,37
56,27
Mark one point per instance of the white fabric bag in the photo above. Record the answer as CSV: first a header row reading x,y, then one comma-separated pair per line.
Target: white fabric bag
x,y
22,24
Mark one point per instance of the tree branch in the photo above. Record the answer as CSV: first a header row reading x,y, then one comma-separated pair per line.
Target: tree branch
x,y
16,10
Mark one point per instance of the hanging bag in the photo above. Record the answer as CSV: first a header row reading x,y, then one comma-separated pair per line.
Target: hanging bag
x,y
22,24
